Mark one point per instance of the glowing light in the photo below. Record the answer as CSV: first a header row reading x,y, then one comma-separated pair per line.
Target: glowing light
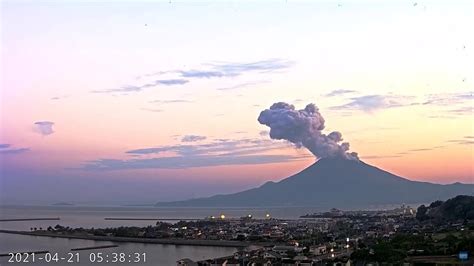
x,y
222,216
267,215
347,239
332,255
250,215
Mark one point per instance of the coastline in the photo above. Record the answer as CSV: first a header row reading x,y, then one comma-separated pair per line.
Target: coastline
x,y
187,242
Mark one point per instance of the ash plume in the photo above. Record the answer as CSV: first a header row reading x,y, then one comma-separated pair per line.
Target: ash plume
x,y
304,129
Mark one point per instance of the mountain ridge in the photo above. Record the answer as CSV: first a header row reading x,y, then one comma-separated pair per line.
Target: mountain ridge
x,y
334,182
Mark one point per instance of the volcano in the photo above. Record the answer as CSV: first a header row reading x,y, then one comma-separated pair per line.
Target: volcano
x,y
340,183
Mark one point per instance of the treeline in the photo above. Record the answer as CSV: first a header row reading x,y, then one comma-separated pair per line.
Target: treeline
x,y
455,209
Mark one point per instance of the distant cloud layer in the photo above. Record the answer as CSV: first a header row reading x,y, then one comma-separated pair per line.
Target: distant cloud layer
x,y
448,98
192,138
44,127
171,101
339,92
215,153
467,140
452,103
136,88
202,74
243,85
219,147
230,69
179,162
369,103
263,66
208,71
5,149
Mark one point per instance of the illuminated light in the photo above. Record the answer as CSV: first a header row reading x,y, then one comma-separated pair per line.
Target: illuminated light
x,y
347,246
332,250
222,216
267,215
213,217
347,239
332,255
250,215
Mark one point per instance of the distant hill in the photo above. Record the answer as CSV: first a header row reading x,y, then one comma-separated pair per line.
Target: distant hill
x,y
337,183
457,208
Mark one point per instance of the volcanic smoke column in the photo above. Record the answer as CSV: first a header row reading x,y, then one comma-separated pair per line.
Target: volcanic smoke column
x,y
303,128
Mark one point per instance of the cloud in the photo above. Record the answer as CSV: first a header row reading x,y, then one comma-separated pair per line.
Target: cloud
x,y
216,147
448,99
203,74
408,152
210,70
171,101
421,149
467,140
262,66
230,69
135,88
218,152
192,138
14,151
451,105
44,127
465,110
369,103
59,97
152,110
5,149
380,156
170,82
339,92
243,85
180,162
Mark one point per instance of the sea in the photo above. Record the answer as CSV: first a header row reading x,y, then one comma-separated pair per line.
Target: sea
x,y
94,217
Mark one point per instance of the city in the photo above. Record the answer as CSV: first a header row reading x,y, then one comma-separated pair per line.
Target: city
x,y
437,233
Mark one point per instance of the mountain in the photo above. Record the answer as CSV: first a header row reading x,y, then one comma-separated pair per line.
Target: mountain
x,y
337,183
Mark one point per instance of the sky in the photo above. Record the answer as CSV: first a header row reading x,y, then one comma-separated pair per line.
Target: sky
x,y
118,102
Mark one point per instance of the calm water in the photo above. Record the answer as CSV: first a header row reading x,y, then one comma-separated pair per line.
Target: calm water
x,y
155,254
88,217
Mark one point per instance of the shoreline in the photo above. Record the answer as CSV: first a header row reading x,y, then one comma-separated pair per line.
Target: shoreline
x,y
186,242
30,219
